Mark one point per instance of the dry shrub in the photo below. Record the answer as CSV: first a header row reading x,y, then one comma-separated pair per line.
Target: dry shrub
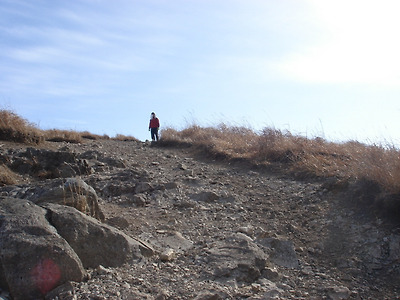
x,y
7,177
16,129
125,138
69,136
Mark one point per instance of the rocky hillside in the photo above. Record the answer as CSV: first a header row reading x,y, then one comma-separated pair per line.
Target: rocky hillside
x,y
163,223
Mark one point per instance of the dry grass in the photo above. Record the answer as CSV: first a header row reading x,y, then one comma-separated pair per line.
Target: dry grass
x,y
234,142
90,136
296,154
125,138
7,177
16,129
69,136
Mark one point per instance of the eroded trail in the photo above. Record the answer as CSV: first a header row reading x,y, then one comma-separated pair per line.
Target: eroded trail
x,y
225,231
234,232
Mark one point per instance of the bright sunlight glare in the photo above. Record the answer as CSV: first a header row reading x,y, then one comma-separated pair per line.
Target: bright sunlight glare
x,y
358,44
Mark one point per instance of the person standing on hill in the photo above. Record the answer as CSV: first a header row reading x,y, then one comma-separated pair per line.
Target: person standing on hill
x,y
154,126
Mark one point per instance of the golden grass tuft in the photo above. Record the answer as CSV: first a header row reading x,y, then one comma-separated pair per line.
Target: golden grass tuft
x,y
69,136
16,129
7,177
13,128
231,141
125,138
89,136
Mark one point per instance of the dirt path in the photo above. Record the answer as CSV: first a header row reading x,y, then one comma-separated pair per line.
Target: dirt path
x,y
229,232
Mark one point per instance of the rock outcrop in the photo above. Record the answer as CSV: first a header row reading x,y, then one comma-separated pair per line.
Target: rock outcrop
x,y
34,257
94,242
72,192
44,247
43,163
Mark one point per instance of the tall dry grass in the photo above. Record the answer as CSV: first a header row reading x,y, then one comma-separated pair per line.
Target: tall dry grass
x,y
296,154
232,141
69,136
125,138
7,177
16,129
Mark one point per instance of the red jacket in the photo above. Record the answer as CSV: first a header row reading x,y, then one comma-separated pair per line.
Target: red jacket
x,y
154,123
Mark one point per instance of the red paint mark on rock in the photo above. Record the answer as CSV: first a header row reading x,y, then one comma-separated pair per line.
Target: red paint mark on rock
x,y
46,275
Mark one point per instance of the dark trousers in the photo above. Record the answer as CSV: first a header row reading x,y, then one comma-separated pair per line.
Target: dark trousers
x,y
154,134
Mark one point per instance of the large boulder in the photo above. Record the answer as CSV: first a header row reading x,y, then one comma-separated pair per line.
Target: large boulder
x,y
44,163
94,242
72,192
237,258
34,258
281,252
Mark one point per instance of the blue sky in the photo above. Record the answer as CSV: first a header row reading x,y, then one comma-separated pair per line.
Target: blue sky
x,y
318,68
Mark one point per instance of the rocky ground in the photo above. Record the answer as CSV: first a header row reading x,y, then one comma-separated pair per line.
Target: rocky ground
x,y
227,230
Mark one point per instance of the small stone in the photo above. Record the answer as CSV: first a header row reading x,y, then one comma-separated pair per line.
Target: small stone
x,y
102,270
256,287
168,255
139,200
249,230
163,295
143,187
338,293
119,222
126,285
183,167
171,185
307,271
271,274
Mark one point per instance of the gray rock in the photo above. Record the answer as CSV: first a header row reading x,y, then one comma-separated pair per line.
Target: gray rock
x,y
171,240
168,255
171,185
205,197
49,164
271,274
65,291
209,295
139,200
237,257
34,258
118,188
94,242
338,293
272,291
66,170
73,192
118,222
143,187
394,247
113,162
281,252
